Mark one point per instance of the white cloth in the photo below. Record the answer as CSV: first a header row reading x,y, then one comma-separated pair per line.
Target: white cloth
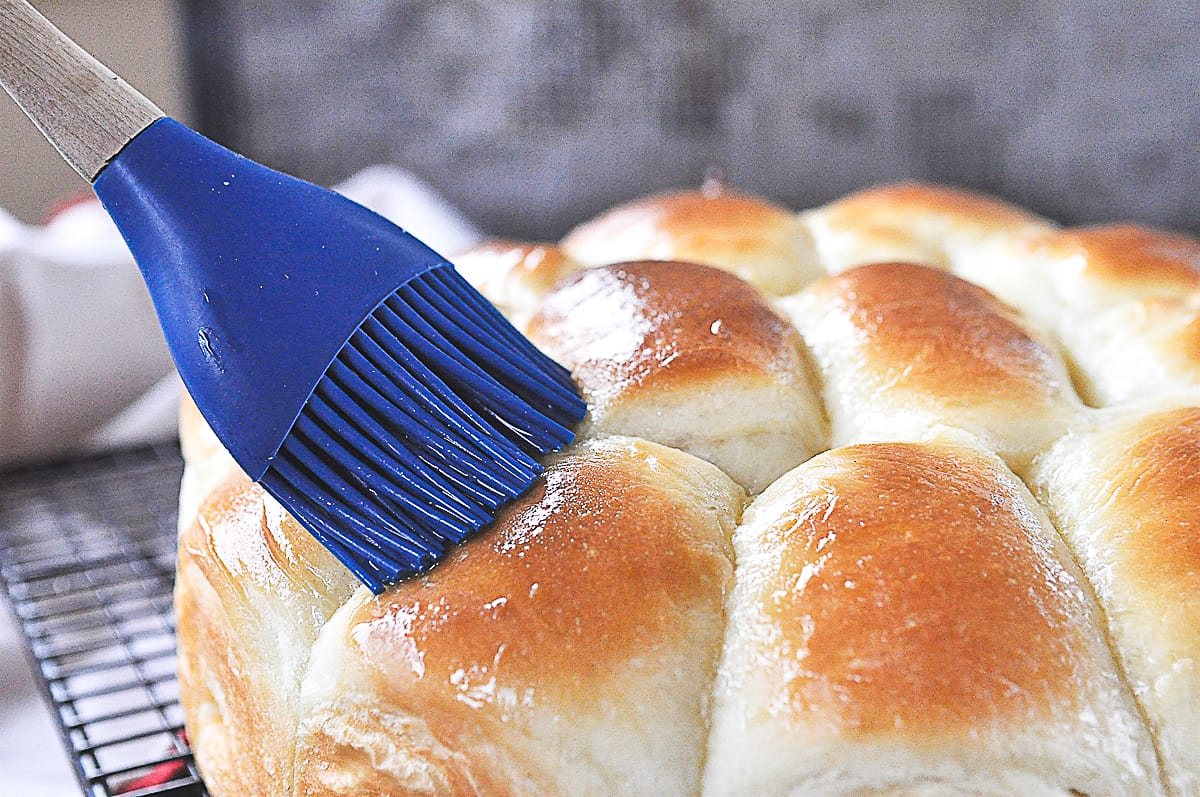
x,y
83,365
80,350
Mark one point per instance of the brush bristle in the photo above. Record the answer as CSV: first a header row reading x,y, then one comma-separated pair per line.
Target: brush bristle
x,y
431,418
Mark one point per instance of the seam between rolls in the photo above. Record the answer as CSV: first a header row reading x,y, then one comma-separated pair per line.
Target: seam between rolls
x,y
1106,633
711,697
302,678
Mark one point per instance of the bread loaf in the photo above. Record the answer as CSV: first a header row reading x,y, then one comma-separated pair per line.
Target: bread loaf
x,y
895,496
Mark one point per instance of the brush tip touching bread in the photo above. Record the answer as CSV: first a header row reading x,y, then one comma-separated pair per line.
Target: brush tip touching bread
x,y
792,551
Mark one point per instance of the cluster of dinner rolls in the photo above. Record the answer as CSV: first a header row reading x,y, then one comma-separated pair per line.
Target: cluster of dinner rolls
x,y
899,496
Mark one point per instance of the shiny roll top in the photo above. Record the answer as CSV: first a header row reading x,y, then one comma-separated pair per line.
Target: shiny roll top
x,y
890,497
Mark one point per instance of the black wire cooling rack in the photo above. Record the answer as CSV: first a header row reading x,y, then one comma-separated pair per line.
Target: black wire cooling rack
x,y
87,556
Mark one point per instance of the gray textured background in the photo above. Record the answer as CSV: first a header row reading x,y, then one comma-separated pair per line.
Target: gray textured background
x,y
533,115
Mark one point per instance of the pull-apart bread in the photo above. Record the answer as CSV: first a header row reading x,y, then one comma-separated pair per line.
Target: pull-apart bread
x,y
895,497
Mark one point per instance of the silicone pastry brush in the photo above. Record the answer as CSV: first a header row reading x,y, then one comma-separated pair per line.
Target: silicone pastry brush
x,y
345,365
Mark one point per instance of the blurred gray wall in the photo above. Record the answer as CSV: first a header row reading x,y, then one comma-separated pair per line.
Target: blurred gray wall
x,y
533,115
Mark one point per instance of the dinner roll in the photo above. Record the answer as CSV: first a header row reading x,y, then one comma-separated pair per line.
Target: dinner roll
x,y
570,651
513,275
688,356
758,241
902,348
911,222
906,622
1060,276
1125,491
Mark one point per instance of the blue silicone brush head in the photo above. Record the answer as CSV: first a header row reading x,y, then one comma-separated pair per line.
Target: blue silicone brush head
x,y
344,364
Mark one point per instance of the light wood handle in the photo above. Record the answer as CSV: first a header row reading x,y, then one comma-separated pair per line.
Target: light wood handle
x,y
86,111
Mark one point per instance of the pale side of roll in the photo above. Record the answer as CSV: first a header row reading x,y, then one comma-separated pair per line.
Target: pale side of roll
x,y
906,621
252,590
1138,348
689,356
208,463
1125,491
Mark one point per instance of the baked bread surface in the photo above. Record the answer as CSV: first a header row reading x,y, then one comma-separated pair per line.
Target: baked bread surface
x,y
892,497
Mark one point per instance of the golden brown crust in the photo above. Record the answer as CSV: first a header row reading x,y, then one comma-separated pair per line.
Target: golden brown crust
x,y
688,356
906,616
1156,525
494,613
927,331
904,348
760,242
653,324
897,203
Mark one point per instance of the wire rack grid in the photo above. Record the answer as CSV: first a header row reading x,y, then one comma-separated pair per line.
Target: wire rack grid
x,y
87,557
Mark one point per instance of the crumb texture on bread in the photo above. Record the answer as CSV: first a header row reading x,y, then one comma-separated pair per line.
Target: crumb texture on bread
x,y
893,497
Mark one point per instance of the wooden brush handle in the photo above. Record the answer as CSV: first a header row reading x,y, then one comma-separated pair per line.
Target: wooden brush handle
x,y
86,111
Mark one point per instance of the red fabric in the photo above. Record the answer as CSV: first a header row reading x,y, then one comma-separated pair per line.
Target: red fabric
x,y
163,773
66,203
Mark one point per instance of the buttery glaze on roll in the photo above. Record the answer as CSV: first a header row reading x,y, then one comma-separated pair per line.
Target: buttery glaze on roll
x,y
687,356
877,644
570,651
1126,494
758,241
902,348
912,222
